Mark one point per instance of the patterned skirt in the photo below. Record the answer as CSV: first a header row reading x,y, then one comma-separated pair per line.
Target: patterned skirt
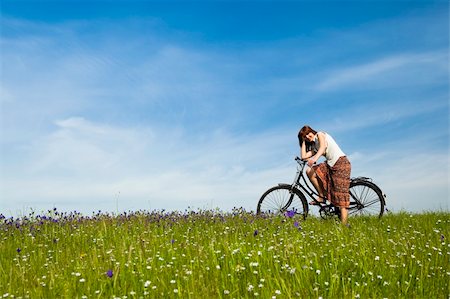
x,y
336,181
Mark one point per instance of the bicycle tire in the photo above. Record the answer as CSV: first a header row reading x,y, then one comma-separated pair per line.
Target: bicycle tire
x,y
366,199
279,199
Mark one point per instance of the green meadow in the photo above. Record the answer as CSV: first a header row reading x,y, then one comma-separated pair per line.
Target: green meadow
x,y
214,254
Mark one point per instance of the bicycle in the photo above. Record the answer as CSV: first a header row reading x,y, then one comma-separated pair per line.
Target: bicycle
x,y
366,198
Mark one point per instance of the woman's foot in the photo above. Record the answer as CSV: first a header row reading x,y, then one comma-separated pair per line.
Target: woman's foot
x,y
317,202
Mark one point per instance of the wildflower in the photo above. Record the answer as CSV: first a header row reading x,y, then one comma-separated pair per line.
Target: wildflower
x,y
255,233
317,271
290,214
442,238
82,280
226,292
297,225
172,281
175,291
147,284
377,258
278,292
250,288
172,241
18,250
109,273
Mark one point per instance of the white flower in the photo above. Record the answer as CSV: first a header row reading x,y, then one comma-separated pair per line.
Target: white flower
x,y
82,280
226,292
250,288
218,267
317,271
175,291
172,281
377,258
278,292
147,283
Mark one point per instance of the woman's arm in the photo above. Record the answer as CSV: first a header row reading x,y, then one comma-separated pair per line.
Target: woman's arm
x,y
304,153
321,150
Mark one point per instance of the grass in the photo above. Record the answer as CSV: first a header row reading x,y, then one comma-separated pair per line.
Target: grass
x,y
212,254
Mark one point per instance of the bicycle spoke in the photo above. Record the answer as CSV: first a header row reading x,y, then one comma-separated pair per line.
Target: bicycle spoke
x,y
280,199
365,200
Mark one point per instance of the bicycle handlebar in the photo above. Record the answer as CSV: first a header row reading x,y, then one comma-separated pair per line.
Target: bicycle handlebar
x,y
300,160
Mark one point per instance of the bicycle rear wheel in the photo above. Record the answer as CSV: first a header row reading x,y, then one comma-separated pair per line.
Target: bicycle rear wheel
x,y
280,199
365,199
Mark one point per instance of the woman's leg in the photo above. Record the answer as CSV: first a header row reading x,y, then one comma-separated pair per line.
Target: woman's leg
x,y
317,183
344,215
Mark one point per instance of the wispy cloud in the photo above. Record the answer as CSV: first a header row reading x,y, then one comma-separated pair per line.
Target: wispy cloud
x,y
369,73
89,161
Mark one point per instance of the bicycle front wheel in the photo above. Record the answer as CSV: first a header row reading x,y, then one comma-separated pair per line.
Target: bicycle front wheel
x,y
280,199
365,199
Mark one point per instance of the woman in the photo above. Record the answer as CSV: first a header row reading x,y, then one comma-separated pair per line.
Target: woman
x,y
332,177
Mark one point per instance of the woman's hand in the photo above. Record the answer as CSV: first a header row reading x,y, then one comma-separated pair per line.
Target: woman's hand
x,y
311,162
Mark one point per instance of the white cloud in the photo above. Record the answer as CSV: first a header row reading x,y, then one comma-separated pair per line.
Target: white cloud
x,y
368,73
90,162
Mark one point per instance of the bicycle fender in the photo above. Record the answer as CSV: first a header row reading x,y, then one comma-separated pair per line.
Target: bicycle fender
x,y
283,184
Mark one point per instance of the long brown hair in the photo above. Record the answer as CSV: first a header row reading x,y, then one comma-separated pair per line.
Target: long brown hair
x,y
301,135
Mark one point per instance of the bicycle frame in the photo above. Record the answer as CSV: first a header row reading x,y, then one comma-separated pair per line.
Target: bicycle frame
x,y
300,182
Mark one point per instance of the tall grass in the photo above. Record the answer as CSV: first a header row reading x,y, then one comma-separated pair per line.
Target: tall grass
x,y
212,254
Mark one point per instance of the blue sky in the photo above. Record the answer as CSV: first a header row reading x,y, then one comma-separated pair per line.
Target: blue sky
x,y
127,105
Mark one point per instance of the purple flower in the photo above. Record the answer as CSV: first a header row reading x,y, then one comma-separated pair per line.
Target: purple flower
x,y
297,225
172,241
290,214
442,238
18,250
255,233
109,273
